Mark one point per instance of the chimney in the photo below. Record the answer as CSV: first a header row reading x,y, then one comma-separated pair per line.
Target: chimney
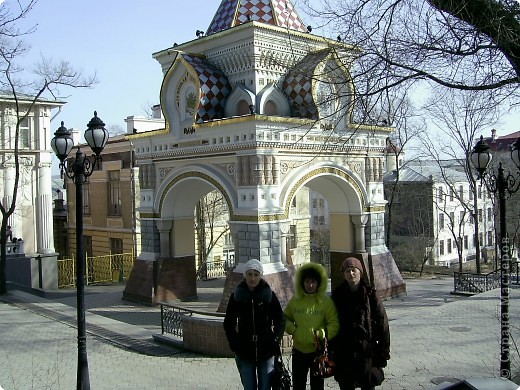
x,y
157,112
493,135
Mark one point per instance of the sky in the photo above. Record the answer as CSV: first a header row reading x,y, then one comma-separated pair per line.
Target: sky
x,y
115,40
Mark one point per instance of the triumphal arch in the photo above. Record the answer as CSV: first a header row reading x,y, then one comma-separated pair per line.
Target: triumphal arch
x,y
257,108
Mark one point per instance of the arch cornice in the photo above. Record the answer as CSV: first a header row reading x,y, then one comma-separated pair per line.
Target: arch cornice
x,y
328,170
199,175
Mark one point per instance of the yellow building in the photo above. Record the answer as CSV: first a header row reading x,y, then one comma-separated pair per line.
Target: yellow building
x,y
109,198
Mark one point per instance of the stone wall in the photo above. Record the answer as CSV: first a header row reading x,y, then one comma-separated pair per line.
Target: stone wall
x,y
205,335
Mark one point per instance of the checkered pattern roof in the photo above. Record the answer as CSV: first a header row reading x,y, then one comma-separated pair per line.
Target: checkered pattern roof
x,y
298,86
214,88
276,12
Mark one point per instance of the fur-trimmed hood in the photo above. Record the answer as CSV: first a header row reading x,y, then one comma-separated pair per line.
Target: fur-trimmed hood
x,y
262,291
298,280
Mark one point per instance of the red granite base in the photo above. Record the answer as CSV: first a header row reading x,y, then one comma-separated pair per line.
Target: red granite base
x,y
140,284
163,280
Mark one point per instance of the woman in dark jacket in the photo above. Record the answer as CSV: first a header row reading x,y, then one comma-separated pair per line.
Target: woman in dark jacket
x,y
362,346
254,326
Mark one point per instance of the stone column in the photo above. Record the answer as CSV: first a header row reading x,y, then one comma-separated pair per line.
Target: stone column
x,y
45,231
8,187
359,222
164,227
284,232
262,241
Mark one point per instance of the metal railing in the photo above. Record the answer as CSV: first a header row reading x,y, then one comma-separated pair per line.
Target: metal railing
x,y
99,269
214,269
471,283
172,316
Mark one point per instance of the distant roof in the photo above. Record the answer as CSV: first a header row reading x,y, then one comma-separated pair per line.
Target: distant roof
x,y
232,13
502,143
7,95
425,171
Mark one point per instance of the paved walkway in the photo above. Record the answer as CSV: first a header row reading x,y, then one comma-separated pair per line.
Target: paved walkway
x,y
434,336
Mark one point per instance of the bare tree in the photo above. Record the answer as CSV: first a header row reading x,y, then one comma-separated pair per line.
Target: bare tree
x,y
408,128
320,246
25,88
459,117
115,129
461,44
456,223
211,227
411,231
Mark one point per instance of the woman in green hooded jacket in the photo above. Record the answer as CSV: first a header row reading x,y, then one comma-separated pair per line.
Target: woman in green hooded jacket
x,y
309,312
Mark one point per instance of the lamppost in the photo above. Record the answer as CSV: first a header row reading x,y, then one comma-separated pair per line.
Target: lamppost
x,y
500,184
78,169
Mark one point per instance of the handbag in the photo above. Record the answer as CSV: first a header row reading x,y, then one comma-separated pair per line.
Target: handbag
x,y
377,376
281,378
323,366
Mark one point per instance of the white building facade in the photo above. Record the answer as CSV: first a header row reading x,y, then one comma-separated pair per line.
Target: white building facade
x,y
32,220
447,216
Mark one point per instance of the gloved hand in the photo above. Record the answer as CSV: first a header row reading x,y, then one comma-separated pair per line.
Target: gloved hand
x,y
320,333
378,362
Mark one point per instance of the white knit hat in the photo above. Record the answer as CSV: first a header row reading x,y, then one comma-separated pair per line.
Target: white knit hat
x,y
254,264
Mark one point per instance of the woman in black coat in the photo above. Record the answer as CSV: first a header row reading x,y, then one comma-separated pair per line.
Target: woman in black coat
x,y
362,346
254,325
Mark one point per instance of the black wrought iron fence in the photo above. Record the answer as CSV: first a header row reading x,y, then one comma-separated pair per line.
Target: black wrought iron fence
x,y
472,283
172,316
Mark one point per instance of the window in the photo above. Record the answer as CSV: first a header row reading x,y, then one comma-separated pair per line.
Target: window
x,y
479,192
451,195
490,238
292,237
228,239
116,245
441,247
87,242
322,220
470,194
452,218
480,215
86,198
440,193
489,214
441,221
315,220
114,193
314,203
465,242
449,246
461,216
461,193
481,237
24,139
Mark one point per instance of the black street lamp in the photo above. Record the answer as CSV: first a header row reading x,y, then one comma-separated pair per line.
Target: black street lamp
x,y
78,169
500,184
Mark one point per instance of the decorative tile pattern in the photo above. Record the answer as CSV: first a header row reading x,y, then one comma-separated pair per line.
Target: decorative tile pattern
x,y
214,88
279,13
299,83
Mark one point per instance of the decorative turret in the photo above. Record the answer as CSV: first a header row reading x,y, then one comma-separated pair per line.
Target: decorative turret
x,y
232,13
